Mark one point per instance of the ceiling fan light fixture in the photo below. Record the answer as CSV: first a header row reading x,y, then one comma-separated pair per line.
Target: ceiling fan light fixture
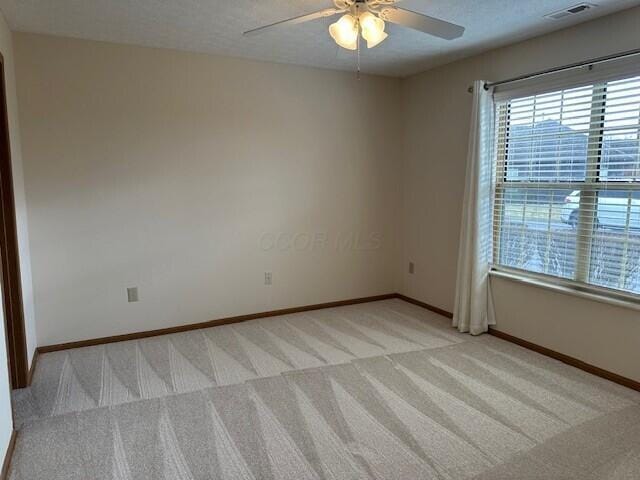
x,y
345,32
372,29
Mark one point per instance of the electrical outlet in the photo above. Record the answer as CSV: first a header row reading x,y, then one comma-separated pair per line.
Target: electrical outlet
x,y
268,279
412,268
132,294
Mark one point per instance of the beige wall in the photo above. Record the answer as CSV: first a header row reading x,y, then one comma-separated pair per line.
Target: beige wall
x,y
176,172
601,334
437,108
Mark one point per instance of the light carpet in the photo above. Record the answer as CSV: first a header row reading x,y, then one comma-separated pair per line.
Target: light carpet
x,y
384,390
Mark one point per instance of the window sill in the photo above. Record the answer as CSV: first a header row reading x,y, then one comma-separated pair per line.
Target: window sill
x,y
593,293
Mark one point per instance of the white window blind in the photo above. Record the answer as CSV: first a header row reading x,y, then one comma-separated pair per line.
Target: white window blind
x,y
567,189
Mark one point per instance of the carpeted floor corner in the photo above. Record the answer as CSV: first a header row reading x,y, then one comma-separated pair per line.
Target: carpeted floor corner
x,y
384,390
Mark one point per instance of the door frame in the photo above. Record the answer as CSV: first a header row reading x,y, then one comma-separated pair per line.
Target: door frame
x,y
9,255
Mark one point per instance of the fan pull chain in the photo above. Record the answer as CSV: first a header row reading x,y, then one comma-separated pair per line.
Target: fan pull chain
x,y
358,45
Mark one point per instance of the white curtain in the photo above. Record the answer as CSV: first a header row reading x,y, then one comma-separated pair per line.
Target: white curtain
x,y
473,310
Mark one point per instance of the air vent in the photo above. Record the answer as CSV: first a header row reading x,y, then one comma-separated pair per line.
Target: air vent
x,y
575,10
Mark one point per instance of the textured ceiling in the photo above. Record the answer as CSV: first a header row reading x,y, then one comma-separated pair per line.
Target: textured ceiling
x,y
216,26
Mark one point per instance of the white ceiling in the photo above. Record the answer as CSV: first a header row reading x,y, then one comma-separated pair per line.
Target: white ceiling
x,y
216,26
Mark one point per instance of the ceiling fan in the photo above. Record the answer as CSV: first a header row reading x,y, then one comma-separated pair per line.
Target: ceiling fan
x,y
368,17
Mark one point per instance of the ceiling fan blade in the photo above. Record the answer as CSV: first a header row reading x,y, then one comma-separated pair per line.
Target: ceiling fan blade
x,y
423,23
327,12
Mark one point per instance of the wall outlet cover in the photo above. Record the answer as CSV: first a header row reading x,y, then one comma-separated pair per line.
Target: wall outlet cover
x,y
132,294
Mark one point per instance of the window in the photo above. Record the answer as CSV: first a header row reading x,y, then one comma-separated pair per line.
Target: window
x,y
567,189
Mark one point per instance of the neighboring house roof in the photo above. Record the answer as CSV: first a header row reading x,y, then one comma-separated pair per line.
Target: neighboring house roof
x,y
549,150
